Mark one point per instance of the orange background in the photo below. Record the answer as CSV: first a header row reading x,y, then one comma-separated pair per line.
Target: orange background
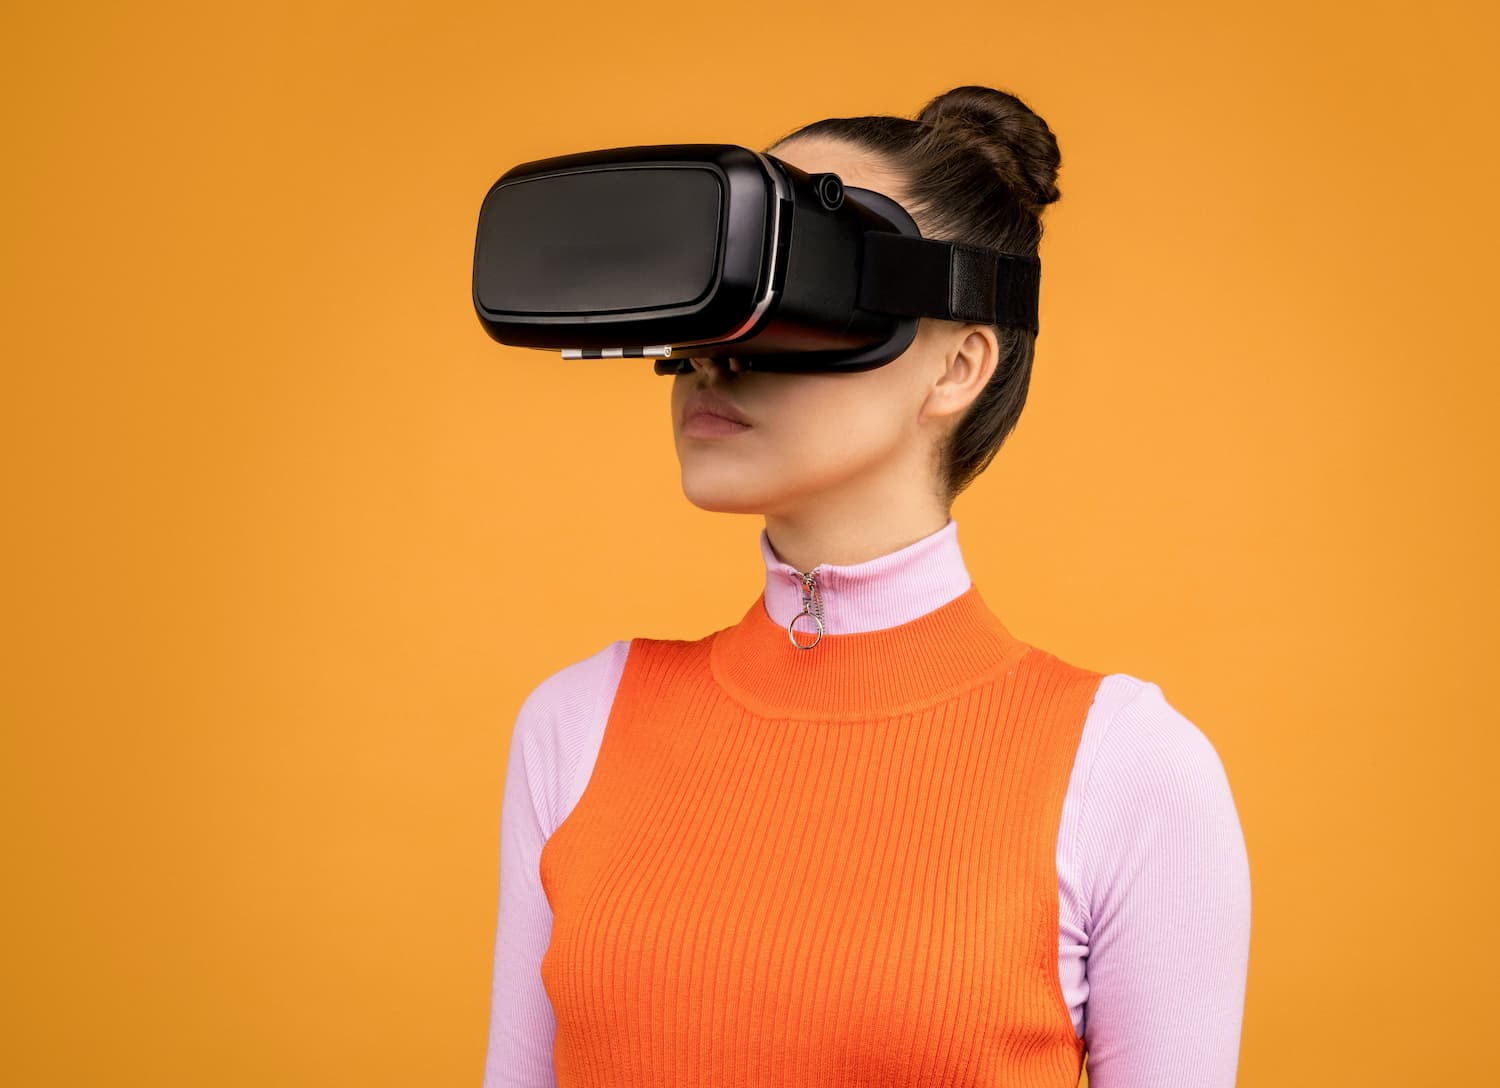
x,y
290,538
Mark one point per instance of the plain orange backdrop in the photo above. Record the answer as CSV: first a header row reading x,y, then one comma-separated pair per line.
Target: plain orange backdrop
x,y
289,538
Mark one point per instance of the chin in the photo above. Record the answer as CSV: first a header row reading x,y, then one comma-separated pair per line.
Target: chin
x,y
722,493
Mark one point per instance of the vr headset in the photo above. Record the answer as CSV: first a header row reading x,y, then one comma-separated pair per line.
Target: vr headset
x,y
676,251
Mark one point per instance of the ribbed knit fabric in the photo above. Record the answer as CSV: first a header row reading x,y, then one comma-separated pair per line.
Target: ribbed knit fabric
x,y
1152,874
821,867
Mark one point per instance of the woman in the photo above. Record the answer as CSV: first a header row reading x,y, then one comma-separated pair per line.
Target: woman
x,y
866,835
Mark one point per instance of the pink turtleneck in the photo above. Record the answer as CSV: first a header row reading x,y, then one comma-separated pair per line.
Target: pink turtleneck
x,y
1152,872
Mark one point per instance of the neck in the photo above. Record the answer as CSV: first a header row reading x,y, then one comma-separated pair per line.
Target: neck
x,y
839,538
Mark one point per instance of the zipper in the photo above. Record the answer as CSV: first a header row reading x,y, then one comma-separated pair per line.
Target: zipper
x,y
812,606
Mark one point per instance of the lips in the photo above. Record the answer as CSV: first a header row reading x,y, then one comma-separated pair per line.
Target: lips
x,y
703,400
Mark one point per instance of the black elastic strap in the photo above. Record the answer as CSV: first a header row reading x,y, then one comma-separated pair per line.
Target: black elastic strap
x,y
928,277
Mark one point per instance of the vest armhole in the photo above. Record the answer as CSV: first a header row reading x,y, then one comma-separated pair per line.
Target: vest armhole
x,y
600,672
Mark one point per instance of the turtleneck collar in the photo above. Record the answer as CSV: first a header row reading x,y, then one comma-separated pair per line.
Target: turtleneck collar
x,y
881,592
899,631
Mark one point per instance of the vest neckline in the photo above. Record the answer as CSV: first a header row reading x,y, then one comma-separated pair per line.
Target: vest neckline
x,y
862,674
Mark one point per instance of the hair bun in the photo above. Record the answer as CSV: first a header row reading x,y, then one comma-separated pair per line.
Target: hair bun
x,y
1006,131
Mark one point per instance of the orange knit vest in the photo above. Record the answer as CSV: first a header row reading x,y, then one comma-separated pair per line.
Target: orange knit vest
x,y
832,866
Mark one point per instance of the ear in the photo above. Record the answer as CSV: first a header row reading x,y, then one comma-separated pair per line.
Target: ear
x,y
967,361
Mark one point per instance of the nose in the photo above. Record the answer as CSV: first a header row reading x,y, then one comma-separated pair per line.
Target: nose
x,y
716,363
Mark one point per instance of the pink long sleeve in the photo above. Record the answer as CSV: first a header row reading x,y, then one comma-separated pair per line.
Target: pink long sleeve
x,y
1153,875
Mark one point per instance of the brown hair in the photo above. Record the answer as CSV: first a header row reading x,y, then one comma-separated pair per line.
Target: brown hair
x,y
980,166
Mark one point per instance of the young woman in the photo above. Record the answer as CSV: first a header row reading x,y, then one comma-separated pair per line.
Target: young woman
x,y
866,835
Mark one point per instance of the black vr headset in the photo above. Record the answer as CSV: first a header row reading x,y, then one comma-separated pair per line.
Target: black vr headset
x,y
712,250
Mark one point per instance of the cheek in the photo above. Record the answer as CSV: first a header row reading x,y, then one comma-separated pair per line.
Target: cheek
x,y
856,436
813,439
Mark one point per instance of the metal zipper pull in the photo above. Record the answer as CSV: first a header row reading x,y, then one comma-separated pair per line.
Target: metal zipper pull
x,y
812,606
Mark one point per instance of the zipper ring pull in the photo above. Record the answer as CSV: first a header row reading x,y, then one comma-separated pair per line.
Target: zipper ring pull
x,y
791,630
